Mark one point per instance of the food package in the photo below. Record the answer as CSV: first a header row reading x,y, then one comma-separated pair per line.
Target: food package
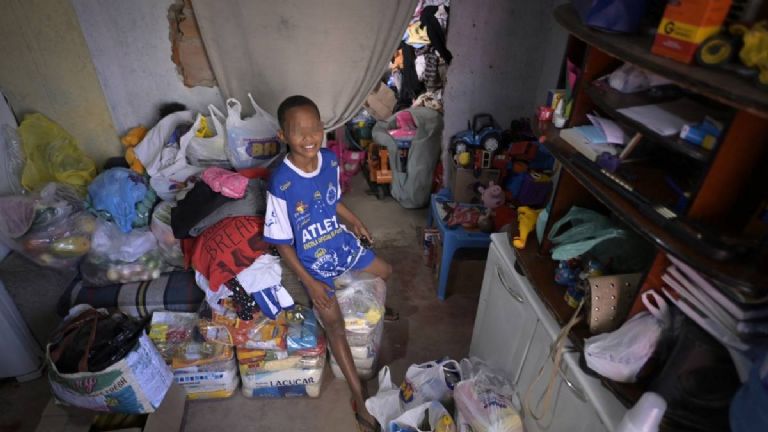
x,y
296,382
211,381
361,298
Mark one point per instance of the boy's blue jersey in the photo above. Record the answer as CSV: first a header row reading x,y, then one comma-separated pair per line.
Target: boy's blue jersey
x,y
301,210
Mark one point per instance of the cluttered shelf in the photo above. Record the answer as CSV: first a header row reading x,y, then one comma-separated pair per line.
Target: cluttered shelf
x,y
611,101
742,272
720,85
539,270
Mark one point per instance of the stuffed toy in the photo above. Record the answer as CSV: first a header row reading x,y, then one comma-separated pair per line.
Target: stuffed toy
x,y
526,219
131,140
492,196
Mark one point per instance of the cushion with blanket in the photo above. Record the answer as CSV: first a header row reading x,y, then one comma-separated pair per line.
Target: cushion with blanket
x,y
174,291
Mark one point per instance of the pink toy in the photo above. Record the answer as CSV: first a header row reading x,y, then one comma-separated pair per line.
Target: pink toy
x,y
228,183
492,196
350,162
406,126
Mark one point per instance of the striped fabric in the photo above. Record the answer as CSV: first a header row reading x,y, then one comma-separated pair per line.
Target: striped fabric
x,y
174,291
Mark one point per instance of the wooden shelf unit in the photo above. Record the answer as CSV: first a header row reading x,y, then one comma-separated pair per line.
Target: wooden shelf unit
x,y
725,199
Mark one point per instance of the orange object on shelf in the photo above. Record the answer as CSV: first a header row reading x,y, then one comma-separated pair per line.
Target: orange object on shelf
x,y
685,25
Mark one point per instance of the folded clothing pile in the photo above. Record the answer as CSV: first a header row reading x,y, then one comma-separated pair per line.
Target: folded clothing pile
x,y
205,368
284,357
361,297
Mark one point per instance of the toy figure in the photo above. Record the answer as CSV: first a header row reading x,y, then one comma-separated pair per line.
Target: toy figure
x,y
526,219
492,196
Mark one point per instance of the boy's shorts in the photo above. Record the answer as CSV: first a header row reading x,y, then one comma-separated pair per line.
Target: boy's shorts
x,y
364,260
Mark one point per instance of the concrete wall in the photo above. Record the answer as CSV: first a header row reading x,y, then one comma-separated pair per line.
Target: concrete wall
x,y
47,68
131,51
507,53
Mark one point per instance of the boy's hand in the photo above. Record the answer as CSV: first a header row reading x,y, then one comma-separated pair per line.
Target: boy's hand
x,y
361,231
319,292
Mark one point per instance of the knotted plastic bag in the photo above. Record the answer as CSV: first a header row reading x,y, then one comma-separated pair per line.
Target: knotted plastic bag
x,y
122,196
52,155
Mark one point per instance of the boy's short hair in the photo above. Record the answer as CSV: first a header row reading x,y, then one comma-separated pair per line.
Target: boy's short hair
x,y
293,102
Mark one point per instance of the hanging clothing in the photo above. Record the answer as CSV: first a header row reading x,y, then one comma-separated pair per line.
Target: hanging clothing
x,y
435,32
432,79
411,86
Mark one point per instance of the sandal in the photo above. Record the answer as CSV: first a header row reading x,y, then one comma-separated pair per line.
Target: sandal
x,y
364,425
390,314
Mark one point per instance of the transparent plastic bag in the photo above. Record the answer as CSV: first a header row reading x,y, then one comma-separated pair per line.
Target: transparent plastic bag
x,y
170,246
118,257
51,228
487,401
361,298
12,157
122,196
52,155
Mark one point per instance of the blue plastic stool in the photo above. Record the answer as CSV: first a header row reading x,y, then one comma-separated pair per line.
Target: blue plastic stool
x,y
453,240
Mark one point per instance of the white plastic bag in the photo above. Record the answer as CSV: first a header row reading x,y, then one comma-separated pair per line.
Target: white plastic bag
x,y
621,354
485,401
164,155
109,242
251,142
430,381
208,151
427,417
385,405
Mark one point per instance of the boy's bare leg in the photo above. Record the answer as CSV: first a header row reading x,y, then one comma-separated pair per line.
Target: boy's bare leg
x,y
333,321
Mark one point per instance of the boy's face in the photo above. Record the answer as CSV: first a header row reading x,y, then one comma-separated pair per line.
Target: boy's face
x,y
302,131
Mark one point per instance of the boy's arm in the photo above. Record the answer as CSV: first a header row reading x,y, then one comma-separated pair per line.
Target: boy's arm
x,y
317,290
352,221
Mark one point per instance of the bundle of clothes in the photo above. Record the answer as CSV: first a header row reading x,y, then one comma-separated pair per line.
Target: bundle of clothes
x,y
418,67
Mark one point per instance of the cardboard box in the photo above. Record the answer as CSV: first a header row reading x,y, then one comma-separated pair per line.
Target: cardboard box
x,y
167,418
685,25
464,181
380,102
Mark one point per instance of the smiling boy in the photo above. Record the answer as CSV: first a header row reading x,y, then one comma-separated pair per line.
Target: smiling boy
x,y
304,219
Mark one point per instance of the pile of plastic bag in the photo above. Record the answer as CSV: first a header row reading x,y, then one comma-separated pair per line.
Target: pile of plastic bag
x,y
481,400
361,298
206,369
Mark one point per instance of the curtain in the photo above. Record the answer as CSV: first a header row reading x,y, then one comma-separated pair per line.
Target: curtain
x,y
332,51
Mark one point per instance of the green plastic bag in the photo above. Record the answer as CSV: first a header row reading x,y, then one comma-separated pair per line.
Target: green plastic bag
x,y
52,155
586,231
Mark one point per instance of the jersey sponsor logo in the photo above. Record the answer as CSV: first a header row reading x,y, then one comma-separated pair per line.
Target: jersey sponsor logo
x,y
318,196
284,187
301,207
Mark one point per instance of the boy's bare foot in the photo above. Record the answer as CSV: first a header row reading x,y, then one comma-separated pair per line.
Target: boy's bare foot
x,y
365,421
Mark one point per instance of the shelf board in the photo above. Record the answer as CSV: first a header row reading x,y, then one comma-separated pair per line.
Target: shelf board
x,y
725,87
740,272
610,101
540,271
